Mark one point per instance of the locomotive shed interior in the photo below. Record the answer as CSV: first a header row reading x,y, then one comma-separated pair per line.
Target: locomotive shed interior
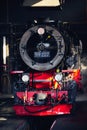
x,y
38,42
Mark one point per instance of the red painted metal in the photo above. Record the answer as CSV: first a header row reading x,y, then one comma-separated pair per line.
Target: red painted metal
x,y
40,81
27,96
29,108
59,109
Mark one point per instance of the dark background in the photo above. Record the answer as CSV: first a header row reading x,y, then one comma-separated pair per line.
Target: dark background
x,y
73,11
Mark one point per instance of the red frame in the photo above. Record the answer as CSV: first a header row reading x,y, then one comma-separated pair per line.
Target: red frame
x,y
42,79
59,109
43,110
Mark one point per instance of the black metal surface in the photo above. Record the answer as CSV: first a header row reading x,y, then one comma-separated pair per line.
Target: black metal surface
x,y
42,52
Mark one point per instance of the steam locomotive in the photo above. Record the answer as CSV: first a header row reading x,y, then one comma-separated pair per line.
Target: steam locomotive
x,y
49,78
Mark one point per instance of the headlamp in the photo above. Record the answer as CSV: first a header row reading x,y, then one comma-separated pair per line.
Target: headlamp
x,y
58,77
25,78
41,31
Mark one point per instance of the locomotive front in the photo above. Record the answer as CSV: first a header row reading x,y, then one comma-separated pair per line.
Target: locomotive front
x,y
49,84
